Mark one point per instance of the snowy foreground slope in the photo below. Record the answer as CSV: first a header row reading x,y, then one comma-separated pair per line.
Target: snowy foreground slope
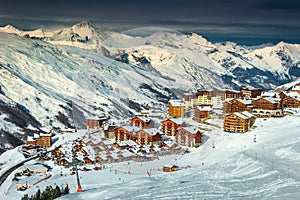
x,y
237,168
52,79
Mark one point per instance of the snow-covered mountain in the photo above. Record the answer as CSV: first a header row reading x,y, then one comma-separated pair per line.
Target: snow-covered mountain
x,y
57,78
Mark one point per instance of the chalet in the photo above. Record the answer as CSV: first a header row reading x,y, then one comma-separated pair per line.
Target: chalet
x,y
250,93
176,108
35,168
188,136
238,122
125,133
201,113
267,107
57,152
291,102
63,161
140,121
237,105
43,140
29,182
148,136
87,160
283,95
170,126
109,130
170,168
97,122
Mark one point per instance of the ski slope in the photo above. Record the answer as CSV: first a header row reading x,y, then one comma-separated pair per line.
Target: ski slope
x,y
237,168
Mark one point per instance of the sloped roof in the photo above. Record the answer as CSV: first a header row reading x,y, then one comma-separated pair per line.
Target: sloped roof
x,y
176,103
240,115
152,131
144,118
177,120
131,128
205,108
247,114
191,129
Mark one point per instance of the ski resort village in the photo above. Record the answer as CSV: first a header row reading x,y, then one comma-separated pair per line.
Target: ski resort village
x,y
150,113
150,143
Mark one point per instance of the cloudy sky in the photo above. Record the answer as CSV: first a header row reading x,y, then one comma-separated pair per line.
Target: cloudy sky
x,y
242,21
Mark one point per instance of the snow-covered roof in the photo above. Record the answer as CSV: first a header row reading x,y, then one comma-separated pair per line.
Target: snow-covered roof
x,y
130,143
177,120
31,180
33,167
297,87
152,131
271,100
169,165
108,142
246,102
176,103
45,134
269,94
35,136
191,129
205,108
144,118
30,139
247,114
169,143
131,128
241,115
293,94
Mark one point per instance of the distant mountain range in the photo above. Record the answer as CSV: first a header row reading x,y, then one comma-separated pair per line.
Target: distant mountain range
x,y
58,78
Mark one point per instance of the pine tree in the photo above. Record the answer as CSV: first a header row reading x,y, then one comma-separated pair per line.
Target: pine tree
x,y
57,192
66,190
37,195
25,197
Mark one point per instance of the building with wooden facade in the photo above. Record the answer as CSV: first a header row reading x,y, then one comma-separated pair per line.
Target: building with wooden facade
x,y
188,136
97,122
170,126
140,121
43,140
201,113
237,105
267,107
238,122
109,130
176,108
148,136
125,133
291,102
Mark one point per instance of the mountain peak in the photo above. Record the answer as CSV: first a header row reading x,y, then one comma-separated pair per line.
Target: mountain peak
x,y
84,24
84,28
198,38
9,29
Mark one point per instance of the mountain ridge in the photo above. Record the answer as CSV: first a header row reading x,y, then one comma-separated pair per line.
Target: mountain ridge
x,y
61,81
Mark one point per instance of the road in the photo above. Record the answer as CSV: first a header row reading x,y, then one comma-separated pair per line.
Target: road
x,y
4,176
